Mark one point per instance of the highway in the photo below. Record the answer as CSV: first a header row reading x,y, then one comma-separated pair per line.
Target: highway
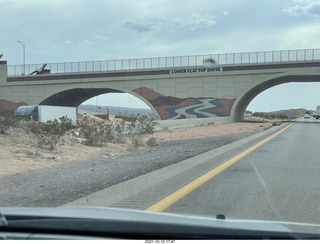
x,y
273,175
280,181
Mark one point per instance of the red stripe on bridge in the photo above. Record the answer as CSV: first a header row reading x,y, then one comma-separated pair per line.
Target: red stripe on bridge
x,y
88,75
272,66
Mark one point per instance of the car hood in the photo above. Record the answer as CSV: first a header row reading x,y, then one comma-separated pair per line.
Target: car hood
x,y
137,217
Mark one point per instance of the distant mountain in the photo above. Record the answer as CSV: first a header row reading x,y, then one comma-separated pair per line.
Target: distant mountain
x,y
114,110
299,112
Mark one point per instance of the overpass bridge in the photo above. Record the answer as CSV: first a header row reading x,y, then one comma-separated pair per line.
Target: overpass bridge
x,y
174,88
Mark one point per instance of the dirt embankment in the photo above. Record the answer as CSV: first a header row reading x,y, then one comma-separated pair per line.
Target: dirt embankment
x,y
19,151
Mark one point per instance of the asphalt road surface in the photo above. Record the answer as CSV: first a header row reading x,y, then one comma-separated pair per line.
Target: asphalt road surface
x,y
278,181
63,183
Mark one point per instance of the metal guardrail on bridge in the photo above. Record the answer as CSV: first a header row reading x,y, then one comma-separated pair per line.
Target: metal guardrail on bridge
x,y
171,62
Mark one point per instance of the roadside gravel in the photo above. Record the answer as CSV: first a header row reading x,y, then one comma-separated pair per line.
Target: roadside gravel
x,y
63,183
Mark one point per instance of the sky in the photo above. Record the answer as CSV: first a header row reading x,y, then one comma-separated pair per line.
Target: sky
x,y
57,31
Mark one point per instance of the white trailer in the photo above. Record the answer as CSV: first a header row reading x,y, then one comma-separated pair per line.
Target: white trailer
x,y
44,113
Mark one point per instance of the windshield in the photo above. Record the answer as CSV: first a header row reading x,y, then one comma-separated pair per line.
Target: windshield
x,y
25,110
200,108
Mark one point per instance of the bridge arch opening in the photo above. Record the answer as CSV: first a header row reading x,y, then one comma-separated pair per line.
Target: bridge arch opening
x,y
115,104
78,96
294,95
247,97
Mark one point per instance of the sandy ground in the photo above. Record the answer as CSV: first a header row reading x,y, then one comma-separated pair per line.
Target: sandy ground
x,y
19,151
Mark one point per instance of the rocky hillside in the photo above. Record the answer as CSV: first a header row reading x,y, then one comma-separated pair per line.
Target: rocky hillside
x,y
289,113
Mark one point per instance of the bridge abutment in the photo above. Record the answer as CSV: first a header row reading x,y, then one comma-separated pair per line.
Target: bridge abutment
x,y
3,72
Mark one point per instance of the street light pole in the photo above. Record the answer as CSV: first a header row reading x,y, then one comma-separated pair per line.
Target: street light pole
x,y
24,58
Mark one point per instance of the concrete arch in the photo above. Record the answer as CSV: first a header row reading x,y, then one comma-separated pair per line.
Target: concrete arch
x,y
242,102
75,96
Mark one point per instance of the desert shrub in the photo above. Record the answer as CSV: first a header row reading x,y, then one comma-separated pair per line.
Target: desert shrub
x,y
134,142
151,142
66,124
136,128
96,133
120,131
145,125
259,114
128,131
270,116
7,120
50,133
282,116
137,125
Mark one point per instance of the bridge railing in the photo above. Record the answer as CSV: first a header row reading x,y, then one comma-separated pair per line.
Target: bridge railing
x,y
171,62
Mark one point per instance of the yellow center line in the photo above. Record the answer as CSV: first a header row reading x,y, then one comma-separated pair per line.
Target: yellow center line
x,y
177,195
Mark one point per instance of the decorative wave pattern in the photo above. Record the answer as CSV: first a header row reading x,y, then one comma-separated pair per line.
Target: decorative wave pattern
x,y
203,108
170,107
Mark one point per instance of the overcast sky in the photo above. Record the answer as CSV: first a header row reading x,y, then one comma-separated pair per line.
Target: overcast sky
x,y
78,30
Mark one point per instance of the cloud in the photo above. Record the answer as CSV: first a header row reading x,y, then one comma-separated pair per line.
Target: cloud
x,y
193,22
103,38
292,36
304,7
198,21
141,25
225,13
85,43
